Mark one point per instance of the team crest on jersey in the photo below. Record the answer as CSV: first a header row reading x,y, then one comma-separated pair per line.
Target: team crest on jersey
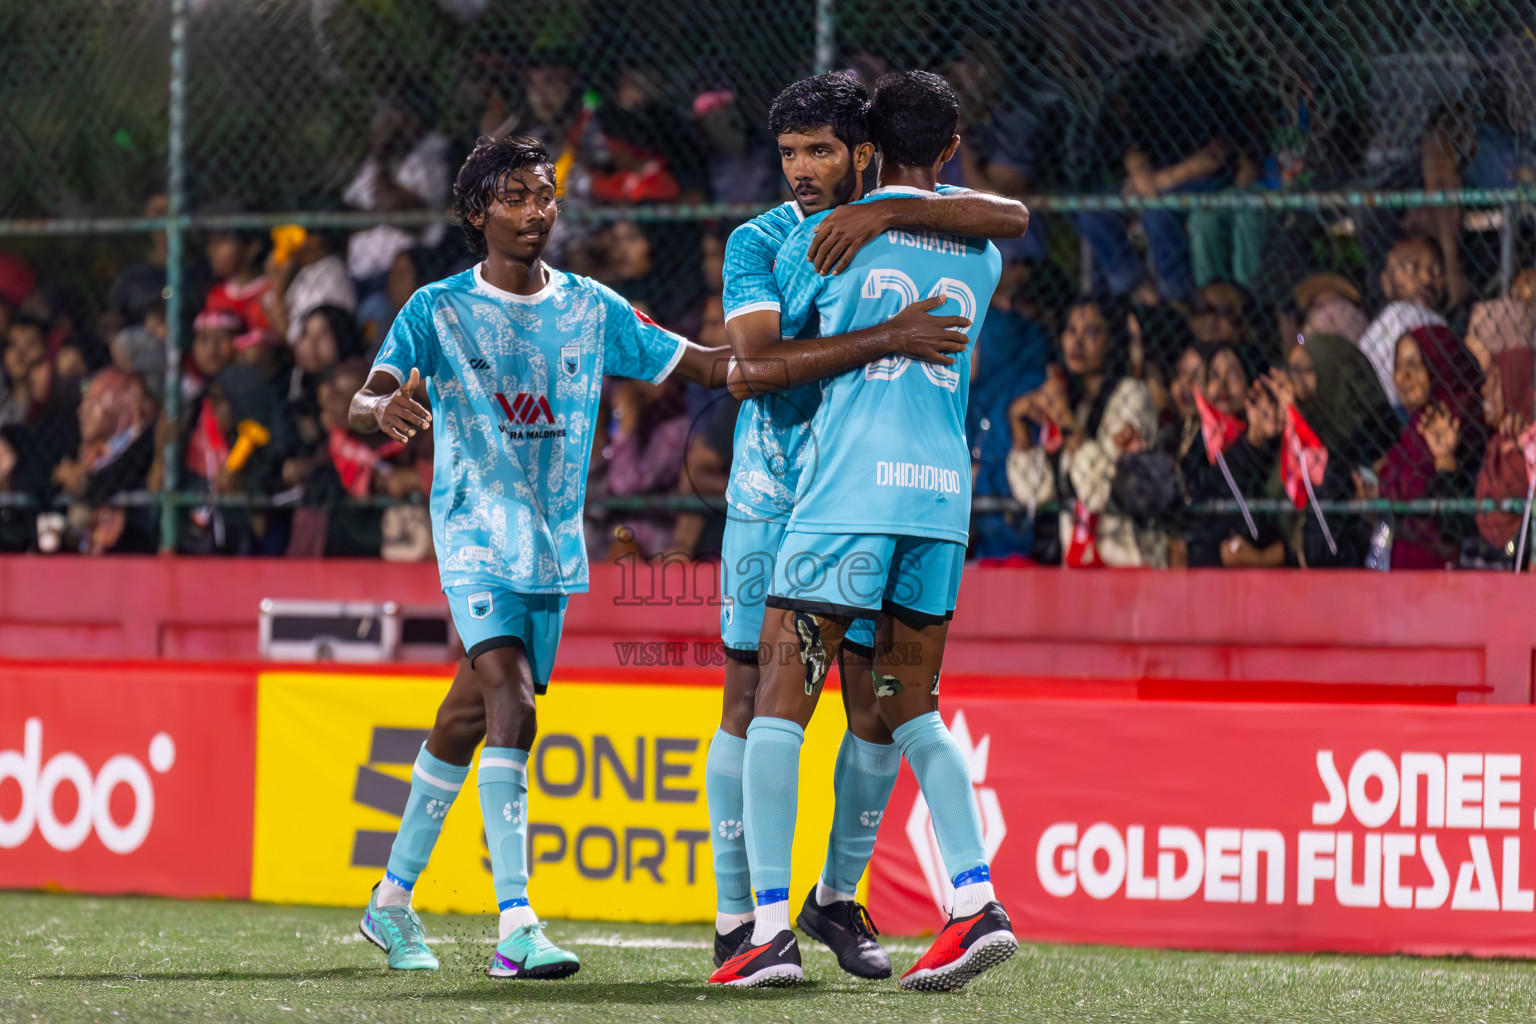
x,y
480,604
570,359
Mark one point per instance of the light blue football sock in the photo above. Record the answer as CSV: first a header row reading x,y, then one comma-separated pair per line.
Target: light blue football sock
x,y
503,781
722,791
434,784
945,780
771,790
862,779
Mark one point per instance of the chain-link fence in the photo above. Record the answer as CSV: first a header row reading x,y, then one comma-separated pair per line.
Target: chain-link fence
x,y
188,181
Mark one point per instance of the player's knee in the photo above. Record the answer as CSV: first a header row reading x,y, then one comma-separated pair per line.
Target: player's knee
x,y
867,724
737,714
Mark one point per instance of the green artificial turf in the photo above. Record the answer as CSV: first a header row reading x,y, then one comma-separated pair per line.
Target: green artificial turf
x,y
72,958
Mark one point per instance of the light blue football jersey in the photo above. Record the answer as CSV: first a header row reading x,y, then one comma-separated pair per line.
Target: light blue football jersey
x,y
888,438
772,429
769,428
514,382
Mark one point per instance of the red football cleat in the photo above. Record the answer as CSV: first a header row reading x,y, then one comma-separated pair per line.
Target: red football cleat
x,y
772,963
966,947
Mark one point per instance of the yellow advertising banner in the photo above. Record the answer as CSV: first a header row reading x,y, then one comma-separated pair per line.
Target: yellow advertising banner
x,y
618,826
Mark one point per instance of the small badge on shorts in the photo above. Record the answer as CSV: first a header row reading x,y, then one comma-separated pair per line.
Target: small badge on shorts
x,y
480,605
570,359
728,609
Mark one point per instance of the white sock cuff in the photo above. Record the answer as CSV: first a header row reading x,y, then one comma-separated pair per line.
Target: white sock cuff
x,y
826,895
969,899
392,894
727,923
514,918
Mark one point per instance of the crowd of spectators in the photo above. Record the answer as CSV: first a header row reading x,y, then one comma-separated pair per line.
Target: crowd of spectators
x,y
1415,369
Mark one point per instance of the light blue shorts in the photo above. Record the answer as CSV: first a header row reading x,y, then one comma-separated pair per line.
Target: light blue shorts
x,y
747,555
915,579
488,617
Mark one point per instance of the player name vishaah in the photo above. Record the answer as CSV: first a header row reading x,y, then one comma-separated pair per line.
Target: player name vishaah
x,y
927,241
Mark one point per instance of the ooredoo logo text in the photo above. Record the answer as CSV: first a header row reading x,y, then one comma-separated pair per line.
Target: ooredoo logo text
x,y
41,779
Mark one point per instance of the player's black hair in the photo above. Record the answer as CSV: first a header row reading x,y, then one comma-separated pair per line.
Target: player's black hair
x,y
835,99
913,117
484,170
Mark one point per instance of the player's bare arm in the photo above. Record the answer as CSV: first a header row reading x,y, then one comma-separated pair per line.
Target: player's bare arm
x,y
847,229
388,405
765,362
706,366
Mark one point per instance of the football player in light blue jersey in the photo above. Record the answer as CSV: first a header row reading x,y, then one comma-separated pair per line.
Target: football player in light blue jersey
x,y
820,126
511,355
879,529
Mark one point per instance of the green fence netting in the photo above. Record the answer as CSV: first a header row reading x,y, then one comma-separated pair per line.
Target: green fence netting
x,y
1217,177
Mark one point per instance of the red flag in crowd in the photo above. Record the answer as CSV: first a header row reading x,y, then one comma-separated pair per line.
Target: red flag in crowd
x,y
1218,428
355,460
206,447
1050,437
1300,441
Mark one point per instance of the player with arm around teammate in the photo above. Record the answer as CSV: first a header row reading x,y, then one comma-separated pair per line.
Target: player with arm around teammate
x,y
511,355
879,530
822,136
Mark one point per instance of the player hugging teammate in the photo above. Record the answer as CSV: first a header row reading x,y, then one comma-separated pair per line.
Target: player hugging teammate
x,y
862,368
884,380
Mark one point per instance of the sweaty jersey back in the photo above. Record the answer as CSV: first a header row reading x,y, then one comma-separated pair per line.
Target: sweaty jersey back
x,y
887,452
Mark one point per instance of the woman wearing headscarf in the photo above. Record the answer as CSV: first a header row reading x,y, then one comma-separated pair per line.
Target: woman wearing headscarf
x,y
1510,407
1232,378
1336,390
1096,409
1380,339
1439,451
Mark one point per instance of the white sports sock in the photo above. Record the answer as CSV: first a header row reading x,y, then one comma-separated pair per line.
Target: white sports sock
x,y
514,918
826,895
392,895
969,899
727,923
772,918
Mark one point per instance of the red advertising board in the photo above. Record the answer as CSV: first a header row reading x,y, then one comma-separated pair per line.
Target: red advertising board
x,y
1358,828
127,778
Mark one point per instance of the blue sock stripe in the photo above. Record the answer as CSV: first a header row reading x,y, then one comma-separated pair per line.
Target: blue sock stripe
x,y
971,877
767,896
521,901
391,877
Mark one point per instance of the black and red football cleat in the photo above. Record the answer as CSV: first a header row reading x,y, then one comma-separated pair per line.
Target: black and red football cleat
x,y
966,947
726,945
770,964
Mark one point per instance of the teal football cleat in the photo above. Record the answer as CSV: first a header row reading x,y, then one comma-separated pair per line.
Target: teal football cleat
x,y
526,953
398,932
